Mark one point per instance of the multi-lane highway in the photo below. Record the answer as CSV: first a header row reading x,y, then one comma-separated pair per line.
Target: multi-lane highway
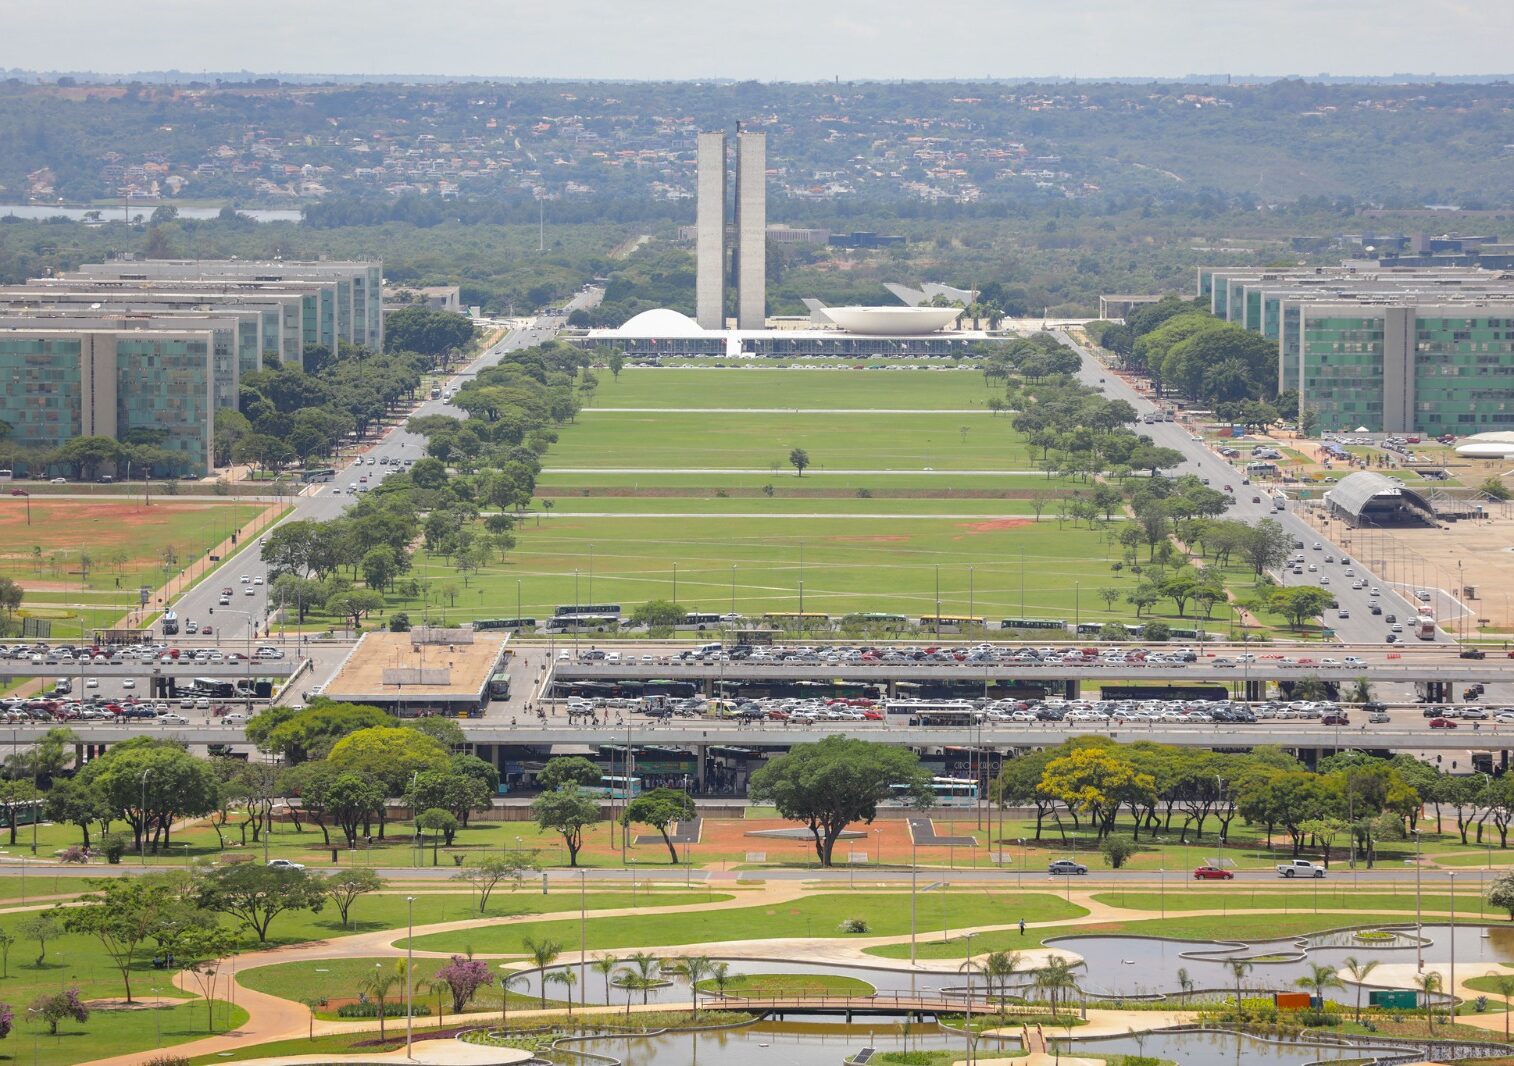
x,y
1361,626
328,501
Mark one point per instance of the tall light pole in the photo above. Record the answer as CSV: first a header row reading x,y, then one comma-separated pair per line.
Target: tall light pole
x,y
1419,921
410,977
1451,987
583,939
142,836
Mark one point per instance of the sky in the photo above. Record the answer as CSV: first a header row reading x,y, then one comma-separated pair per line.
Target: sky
x,y
770,40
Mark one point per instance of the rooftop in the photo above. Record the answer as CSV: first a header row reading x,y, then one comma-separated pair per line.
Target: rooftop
x,y
391,667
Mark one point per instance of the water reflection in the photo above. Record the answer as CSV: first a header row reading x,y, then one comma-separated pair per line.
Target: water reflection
x,y
1209,1048
771,1043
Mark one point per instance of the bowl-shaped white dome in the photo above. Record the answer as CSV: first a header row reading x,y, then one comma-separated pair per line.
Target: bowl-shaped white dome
x,y
891,321
660,322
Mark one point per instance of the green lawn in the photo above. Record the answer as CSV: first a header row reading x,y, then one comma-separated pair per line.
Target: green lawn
x,y
791,389
790,984
815,916
116,1032
1335,898
557,483
337,979
855,441
1215,927
709,504
850,564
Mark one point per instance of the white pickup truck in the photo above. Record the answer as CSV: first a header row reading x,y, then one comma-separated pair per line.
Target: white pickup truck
x,y
1300,868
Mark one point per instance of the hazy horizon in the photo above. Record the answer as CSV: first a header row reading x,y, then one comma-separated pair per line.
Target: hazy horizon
x,y
779,40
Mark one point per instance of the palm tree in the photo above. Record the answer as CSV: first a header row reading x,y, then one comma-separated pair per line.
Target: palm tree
x,y
970,967
1239,968
630,981
378,985
603,966
696,968
999,967
565,977
1504,984
1318,979
1429,984
1185,983
1054,978
1359,972
506,980
543,954
720,973
647,966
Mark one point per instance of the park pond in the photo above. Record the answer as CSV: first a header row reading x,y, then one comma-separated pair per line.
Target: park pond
x,y
819,1044
1124,966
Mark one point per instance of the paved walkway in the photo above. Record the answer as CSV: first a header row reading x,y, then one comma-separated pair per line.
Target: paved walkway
x,y
426,1053
272,1018
789,411
767,471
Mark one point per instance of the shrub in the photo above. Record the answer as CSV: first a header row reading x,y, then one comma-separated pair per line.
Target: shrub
x,y
114,845
864,494
73,854
854,925
1116,850
399,622
370,1010
167,1060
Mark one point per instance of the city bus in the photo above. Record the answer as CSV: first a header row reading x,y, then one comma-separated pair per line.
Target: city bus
x,y
700,619
170,623
951,621
948,792
1033,623
215,687
930,712
797,620
616,786
323,473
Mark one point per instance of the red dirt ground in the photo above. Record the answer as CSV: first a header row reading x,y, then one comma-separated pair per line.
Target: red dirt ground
x,y
995,525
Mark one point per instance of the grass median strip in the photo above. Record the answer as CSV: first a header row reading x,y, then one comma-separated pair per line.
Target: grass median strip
x,y
818,916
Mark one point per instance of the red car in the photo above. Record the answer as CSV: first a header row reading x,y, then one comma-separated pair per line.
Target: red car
x,y
1442,723
1212,873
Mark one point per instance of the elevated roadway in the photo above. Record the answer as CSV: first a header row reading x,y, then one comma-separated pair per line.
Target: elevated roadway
x,y
684,733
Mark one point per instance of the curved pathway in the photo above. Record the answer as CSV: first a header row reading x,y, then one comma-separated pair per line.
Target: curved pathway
x,y
271,1018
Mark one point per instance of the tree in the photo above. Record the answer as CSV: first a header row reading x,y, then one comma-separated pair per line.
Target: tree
x,y
344,887
173,783
1319,978
200,950
658,614
379,984
829,785
484,875
256,895
799,459
1116,850
439,823
55,1007
41,928
15,798
1503,984
1360,971
660,808
458,795
565,977
464,977
388,756
7,940
1428,983
695,969
543,954
352,800
567,810
1299,603
1494,488
1054,978
354,605
445,731
568,770
605,965
999,967
305,733
427,330
1239,968
1501,894
121,914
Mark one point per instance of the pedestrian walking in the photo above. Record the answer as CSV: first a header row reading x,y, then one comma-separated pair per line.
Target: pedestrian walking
x,y
1022,926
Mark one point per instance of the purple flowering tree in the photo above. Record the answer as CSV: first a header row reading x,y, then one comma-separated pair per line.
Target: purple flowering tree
x,y
464,976
54,1007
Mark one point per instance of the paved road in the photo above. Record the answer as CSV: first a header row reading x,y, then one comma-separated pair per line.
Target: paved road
x,y
1361,626
325,502
792,410
812,471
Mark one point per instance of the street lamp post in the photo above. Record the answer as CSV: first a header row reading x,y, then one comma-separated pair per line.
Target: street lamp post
x,y
410,977
1419,922
1451,986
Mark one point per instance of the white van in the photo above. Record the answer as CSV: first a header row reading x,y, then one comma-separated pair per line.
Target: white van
x,y
708,649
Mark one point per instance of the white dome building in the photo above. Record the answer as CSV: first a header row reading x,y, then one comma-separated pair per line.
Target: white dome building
x,y
891,321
